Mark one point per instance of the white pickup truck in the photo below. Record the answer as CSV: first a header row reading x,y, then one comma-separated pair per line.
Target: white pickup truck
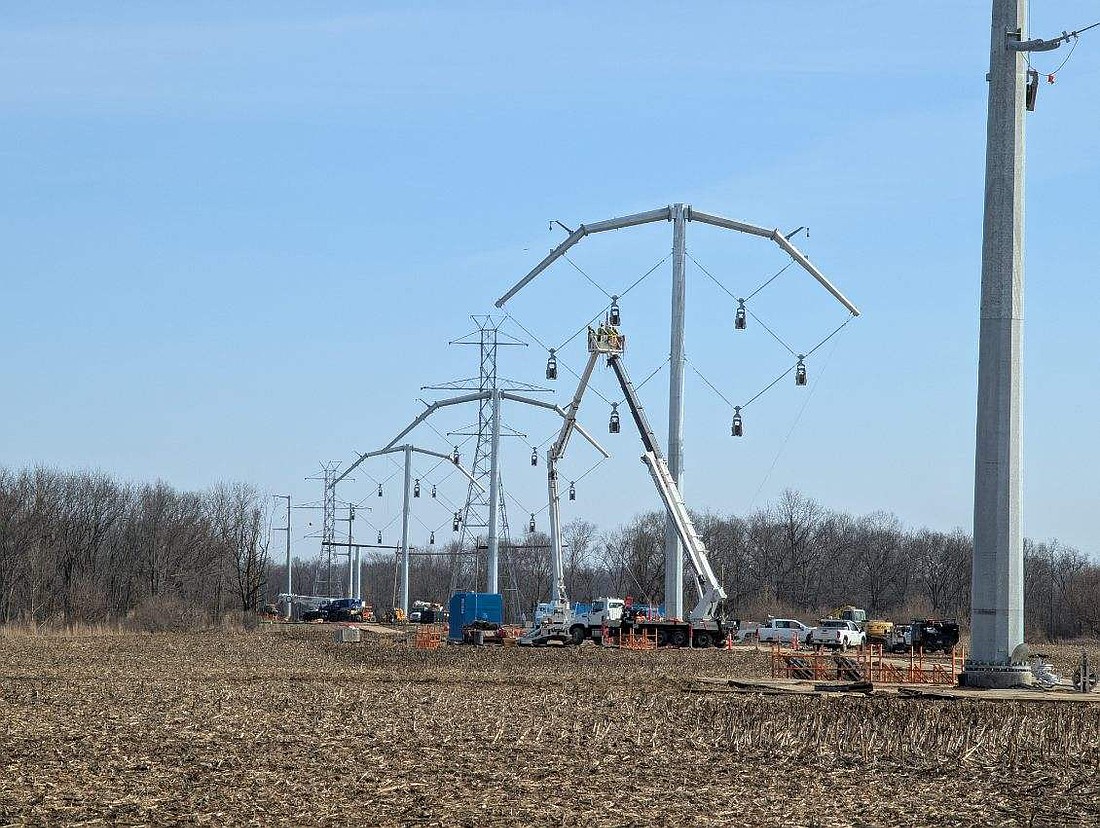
x,y
783,631
837,634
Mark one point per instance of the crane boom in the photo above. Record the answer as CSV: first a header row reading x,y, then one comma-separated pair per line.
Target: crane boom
x,y
553,455
711,593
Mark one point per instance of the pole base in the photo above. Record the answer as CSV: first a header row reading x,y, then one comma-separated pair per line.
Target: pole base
x,y
990,676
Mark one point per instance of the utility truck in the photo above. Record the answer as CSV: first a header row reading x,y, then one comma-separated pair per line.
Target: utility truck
x,y
705,624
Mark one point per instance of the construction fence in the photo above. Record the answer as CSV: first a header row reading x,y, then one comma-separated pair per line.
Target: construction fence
x,y
871,664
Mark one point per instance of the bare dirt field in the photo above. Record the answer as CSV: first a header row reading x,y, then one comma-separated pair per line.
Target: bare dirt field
x,y
281,726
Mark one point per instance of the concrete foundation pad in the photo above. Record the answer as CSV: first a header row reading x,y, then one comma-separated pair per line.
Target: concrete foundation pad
x,y
996,676
347,635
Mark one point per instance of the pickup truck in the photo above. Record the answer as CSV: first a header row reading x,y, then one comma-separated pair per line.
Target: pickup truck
x,y
837,634
783,631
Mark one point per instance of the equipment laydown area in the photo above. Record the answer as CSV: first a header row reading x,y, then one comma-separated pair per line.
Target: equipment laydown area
x,y
281,726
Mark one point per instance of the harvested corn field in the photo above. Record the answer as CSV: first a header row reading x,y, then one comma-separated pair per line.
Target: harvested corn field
x,y
283,727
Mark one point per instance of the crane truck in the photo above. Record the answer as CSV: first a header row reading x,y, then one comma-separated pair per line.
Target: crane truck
x,y
705,624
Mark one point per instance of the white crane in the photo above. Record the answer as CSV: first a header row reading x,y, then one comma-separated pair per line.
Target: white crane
x,y
704,622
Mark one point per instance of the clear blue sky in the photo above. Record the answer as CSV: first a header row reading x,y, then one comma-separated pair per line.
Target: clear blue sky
x,y
238,237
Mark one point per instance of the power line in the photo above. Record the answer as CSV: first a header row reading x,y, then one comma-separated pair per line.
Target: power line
x,y
594,283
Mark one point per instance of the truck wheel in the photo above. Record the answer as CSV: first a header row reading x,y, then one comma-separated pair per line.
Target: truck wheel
x,y
679,638
702,639
662,638
576,635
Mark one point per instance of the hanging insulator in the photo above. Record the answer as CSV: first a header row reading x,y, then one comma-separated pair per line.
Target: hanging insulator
x,y
740,321
1031,91
531,524
431,539
454,523
380,537
416,487
800,371
534,457
613,316
552,366
433,491
572,491
737,430
455,456
613,423
379,489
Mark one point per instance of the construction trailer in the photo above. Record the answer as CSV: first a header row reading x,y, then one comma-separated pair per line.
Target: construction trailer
x,y
704,624
468,608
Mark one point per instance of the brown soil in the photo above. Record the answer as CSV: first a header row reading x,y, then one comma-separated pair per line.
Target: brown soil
x,y
281,726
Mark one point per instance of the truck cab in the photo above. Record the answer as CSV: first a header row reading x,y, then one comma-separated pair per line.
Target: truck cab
x,y
602,612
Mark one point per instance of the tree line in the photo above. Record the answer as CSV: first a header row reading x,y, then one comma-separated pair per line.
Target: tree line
x,y
82,547
791,557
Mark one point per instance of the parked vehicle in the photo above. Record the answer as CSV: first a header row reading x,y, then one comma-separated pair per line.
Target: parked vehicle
x,y
877,629
747,632
339,610
900,638
590,624
931,635
837,634
783,631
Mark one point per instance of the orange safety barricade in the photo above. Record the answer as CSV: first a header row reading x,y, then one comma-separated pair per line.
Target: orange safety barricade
x,y
643,640
428,636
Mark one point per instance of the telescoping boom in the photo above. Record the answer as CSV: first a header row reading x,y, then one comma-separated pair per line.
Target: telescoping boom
x,y
705,624
711,594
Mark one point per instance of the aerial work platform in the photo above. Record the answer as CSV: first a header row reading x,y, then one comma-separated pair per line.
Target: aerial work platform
x,y
606,339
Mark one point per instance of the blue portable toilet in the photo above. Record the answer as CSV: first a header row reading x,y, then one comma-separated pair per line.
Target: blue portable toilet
x,y
467,607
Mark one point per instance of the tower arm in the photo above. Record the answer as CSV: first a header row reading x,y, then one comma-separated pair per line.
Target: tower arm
x,y
505,395
427,412
663,214
782,241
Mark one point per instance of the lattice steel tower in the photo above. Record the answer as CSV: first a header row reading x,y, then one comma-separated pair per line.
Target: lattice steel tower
x,y
327,474
488,337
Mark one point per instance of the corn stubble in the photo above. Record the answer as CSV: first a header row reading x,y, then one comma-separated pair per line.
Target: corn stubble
x,y
283,727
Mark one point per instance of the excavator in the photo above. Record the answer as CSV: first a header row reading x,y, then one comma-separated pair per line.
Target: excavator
x,y
705,624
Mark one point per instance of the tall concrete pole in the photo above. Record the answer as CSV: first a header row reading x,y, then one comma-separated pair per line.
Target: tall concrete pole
x,y
674,555
997,590
358,574
406,508
289,573
351,567
491,584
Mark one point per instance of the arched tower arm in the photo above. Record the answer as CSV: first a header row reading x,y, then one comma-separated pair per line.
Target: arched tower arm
x,y
663,214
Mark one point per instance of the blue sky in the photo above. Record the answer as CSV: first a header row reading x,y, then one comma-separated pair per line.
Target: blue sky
x,y
238,238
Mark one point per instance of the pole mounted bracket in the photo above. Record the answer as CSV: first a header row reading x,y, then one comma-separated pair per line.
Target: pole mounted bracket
x,y
1014,44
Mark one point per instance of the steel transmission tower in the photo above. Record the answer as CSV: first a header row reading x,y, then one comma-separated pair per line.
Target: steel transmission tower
x,y
327,475
678,214
480,512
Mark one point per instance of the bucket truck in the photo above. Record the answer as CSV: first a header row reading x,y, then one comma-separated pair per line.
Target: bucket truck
x,y
705,624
